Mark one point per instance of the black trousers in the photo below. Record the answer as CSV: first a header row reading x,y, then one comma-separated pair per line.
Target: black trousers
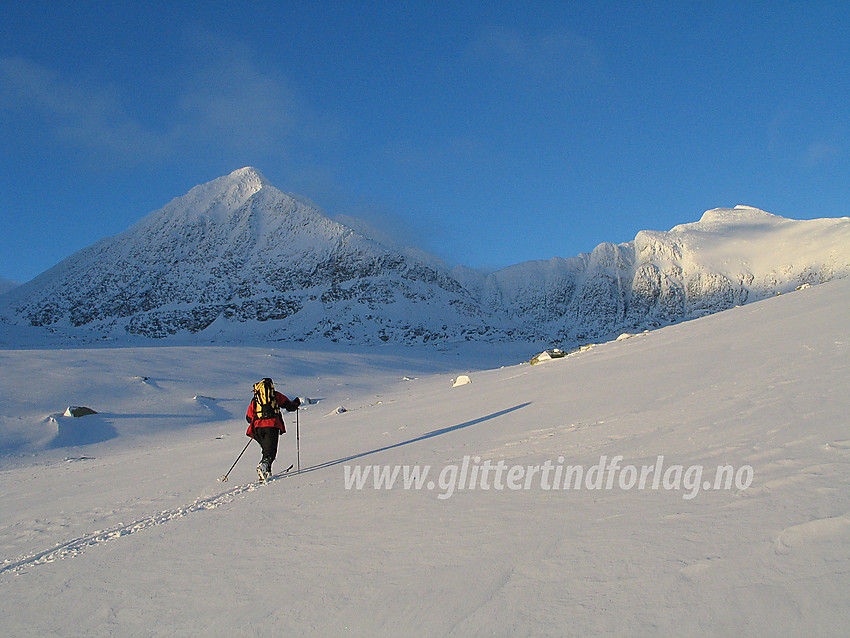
x,y
267,438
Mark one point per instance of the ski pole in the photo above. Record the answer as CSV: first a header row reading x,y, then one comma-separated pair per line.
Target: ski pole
x,y
223,479
297,441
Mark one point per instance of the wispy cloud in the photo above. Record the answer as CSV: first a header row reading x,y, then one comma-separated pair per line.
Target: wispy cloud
x,y
807,141
555,56
88,116
223,102
819,153
233,101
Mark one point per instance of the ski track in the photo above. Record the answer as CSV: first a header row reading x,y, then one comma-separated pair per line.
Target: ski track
x,y
77,546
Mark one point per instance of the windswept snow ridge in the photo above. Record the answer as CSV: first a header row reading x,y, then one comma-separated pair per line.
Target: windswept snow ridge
x,y
728,258
236,259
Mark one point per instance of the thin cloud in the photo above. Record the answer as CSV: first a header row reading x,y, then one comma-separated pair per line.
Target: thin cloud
x,y
820,153
75,112
552,56
797,136
230,101
224,103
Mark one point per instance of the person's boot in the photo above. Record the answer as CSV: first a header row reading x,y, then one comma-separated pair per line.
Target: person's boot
x,y
263,471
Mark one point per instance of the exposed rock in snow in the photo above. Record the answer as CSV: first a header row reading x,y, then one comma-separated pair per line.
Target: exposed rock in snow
x,y
461,380
78,411
547,355
238,251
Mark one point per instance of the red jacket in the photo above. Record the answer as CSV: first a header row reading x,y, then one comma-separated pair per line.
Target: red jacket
x,y
275,422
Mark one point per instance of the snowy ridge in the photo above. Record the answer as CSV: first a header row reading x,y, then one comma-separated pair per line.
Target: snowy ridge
x,y
236,259
730,257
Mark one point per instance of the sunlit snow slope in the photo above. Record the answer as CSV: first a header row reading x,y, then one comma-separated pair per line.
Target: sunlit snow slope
x,y
133,535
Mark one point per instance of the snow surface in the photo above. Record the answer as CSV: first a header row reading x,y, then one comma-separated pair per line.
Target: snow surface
x,y
130,534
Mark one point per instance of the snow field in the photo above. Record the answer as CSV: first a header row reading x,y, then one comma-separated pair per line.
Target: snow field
x,y
146,541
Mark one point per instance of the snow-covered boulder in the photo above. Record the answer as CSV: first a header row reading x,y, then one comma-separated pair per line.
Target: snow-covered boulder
x,y
78,411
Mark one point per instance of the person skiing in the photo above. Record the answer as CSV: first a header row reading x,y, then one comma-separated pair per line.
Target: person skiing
x,y
266,423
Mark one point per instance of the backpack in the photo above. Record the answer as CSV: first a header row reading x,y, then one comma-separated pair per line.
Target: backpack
x,y
265,401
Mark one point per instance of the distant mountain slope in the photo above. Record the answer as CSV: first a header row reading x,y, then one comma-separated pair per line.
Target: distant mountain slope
x,y
237,259
729,257
6,286
238,251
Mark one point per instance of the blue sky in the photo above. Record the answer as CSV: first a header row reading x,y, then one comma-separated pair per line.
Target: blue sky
x,y
487,132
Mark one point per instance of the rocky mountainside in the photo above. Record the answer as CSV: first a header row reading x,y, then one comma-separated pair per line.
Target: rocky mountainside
x,y
238,259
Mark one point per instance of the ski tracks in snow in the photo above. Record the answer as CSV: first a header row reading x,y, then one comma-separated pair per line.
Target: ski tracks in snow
x,y
77,546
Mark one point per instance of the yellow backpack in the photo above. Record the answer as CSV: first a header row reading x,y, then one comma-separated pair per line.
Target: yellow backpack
x,y
265,401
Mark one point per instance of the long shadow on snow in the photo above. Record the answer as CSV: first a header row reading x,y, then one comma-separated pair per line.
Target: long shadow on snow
x,y
428,435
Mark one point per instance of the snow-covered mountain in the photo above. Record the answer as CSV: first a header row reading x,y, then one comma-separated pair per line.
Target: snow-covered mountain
x,y
728,258
237,258
238,255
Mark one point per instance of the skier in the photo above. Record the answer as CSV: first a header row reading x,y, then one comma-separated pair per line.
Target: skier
x,y
266,422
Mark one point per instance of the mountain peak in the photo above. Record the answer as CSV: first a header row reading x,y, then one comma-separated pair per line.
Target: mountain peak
x,y
726,219
220,197
738,215
244,180
248,174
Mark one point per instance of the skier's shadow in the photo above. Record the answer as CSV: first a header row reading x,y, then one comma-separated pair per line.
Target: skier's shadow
x,y
425,436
